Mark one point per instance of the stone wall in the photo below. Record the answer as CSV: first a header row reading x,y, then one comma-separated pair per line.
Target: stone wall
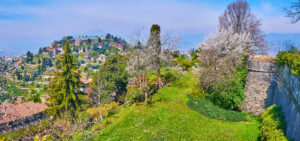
x,y
259,86
268,84
287,94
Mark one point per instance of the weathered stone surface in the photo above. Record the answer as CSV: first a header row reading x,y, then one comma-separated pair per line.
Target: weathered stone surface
x,y
268,84
259,81
287,94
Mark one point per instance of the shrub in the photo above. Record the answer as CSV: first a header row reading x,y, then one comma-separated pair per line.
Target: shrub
x,y
106,111
110,108
292,59
134,94
169,76
230,94
44,138
184,63
206,108
273,125
197,92
34,96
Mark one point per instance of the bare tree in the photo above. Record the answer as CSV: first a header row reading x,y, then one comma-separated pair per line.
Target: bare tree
x,y
293,12
138,62
238,15
170,43
145,56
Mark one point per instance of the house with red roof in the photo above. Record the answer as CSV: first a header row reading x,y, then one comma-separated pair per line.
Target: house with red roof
x,y
14,117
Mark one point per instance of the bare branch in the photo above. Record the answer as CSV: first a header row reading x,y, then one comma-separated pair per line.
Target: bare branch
x,y
293,12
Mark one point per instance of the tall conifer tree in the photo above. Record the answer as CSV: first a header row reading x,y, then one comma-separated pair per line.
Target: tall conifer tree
x,y
154,46
65,86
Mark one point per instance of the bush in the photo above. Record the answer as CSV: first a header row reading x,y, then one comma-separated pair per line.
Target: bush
x,y
184,63
197,92
230,95
169,76
134,94
206,108
34,96
273,125
106,111
292,59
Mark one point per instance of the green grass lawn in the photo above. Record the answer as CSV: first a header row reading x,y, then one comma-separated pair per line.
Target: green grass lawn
x,y
169,118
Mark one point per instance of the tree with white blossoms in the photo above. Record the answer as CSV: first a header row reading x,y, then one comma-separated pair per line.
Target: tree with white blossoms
x,y
239,17
221,70
220,54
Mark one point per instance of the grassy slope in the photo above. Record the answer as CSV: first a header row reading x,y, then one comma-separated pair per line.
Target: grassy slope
x,y
168,118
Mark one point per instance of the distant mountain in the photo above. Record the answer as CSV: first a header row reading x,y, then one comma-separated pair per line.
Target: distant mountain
x,y
277,42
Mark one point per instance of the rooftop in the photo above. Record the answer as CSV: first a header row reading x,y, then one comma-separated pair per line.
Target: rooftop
x,y
10,112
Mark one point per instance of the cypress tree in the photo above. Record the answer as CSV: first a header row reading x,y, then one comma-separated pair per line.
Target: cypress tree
x,y
65,86
154,45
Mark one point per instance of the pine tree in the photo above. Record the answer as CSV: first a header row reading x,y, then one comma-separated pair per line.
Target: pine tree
x,y
29,57
40,51
65,86
154,46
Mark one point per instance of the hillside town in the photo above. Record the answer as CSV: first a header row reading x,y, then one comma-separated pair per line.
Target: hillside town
x,y
35,70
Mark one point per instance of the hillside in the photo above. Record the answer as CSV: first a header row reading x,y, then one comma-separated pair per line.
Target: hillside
x,y
33,71
169,118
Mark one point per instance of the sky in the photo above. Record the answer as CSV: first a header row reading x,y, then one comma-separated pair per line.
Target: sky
x,y
31,24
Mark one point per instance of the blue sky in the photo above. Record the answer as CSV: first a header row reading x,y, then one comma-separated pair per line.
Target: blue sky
x,y
30,24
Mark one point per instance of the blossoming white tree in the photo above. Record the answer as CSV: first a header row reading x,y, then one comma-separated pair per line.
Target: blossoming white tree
x,y
221,53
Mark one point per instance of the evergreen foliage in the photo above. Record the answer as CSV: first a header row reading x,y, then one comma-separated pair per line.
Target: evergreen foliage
x,y
64,88
154,45
110,80
29,57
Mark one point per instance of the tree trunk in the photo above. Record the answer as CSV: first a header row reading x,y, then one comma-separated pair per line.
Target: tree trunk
x,y
160,83
146,97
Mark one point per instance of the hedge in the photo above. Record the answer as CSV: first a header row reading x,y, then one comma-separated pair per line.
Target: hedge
x,y
273,125
206,108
